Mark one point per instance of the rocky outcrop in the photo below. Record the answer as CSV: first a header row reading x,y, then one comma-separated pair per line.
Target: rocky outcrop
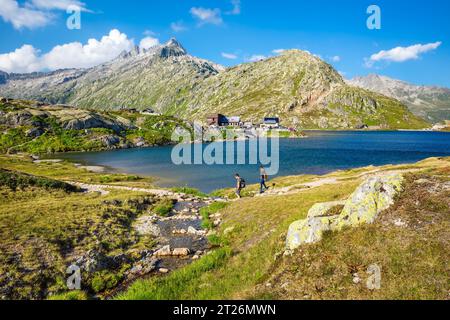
x,y
364,206
370,199
81,119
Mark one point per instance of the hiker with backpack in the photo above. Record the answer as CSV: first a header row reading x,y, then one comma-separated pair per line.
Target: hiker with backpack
x,y
264,177
240,184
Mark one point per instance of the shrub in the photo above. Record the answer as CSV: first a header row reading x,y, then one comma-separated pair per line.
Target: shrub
x,y
163,208
16,180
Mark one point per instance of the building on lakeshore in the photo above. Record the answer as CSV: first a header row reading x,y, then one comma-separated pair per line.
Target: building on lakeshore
x,y
234,121
218,120
271,123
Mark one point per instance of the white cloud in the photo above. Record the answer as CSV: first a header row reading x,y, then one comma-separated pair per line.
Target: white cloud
x,y
149,33
57,4
34,13
335,58
207,16
236,7
178,26
70,55
278,51
22,60
148,42
401,54
256,57
230,56
23,17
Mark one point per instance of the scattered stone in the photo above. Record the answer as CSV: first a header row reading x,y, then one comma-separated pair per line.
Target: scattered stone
x,y
356,279
193,231
145,225
217,222
400,223
195,257
94,169
181,252
164,270
228,230
163,252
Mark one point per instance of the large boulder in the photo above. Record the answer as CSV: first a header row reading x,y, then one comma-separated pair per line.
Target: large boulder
x,y
309,230
364,206
370,199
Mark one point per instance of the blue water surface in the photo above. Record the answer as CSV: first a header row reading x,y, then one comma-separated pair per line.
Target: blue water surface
x,y
320,153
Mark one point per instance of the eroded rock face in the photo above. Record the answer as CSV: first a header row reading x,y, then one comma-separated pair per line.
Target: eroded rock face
x,y
364,206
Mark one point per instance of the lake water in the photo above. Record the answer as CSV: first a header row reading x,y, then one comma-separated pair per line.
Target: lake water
x,y
320,153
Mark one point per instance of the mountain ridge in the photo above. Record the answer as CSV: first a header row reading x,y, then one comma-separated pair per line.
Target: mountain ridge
x,y
299,87
429,102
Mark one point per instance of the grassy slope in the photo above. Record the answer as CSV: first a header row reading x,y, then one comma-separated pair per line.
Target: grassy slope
x,y
42,226
257,241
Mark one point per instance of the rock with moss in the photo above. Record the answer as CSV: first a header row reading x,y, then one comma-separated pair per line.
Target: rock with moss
x,y
370,199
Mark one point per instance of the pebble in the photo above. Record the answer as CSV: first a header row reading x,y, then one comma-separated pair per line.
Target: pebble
x,y
163,270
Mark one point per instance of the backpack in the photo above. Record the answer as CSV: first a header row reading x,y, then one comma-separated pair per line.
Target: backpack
x,y
243,184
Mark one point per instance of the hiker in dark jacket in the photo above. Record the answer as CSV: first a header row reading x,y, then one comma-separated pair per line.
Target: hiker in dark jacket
x,y
239,185
263,175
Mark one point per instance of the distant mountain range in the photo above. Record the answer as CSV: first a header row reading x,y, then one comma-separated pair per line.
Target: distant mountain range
x,y
298,87
431,103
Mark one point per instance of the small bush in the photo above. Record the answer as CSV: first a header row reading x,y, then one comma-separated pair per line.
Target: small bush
x,y
105,280
15,180
71,295
163,208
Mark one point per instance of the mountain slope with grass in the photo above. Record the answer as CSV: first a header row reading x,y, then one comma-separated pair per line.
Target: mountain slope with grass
x,y
431,103
298,87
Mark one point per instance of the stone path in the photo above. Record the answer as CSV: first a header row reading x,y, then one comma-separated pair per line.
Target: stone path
x,y
103,189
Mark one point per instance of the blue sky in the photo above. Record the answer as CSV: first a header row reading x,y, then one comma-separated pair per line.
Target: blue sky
x,y
242,30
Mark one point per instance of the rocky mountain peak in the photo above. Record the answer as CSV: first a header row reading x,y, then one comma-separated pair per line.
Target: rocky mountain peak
x,y
172,49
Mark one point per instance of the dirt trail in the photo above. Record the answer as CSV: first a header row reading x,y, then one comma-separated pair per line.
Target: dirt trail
x,y
297,188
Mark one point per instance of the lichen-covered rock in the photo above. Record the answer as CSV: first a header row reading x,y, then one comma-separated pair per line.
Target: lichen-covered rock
x,y
321,209
364,205
370,199
309,230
